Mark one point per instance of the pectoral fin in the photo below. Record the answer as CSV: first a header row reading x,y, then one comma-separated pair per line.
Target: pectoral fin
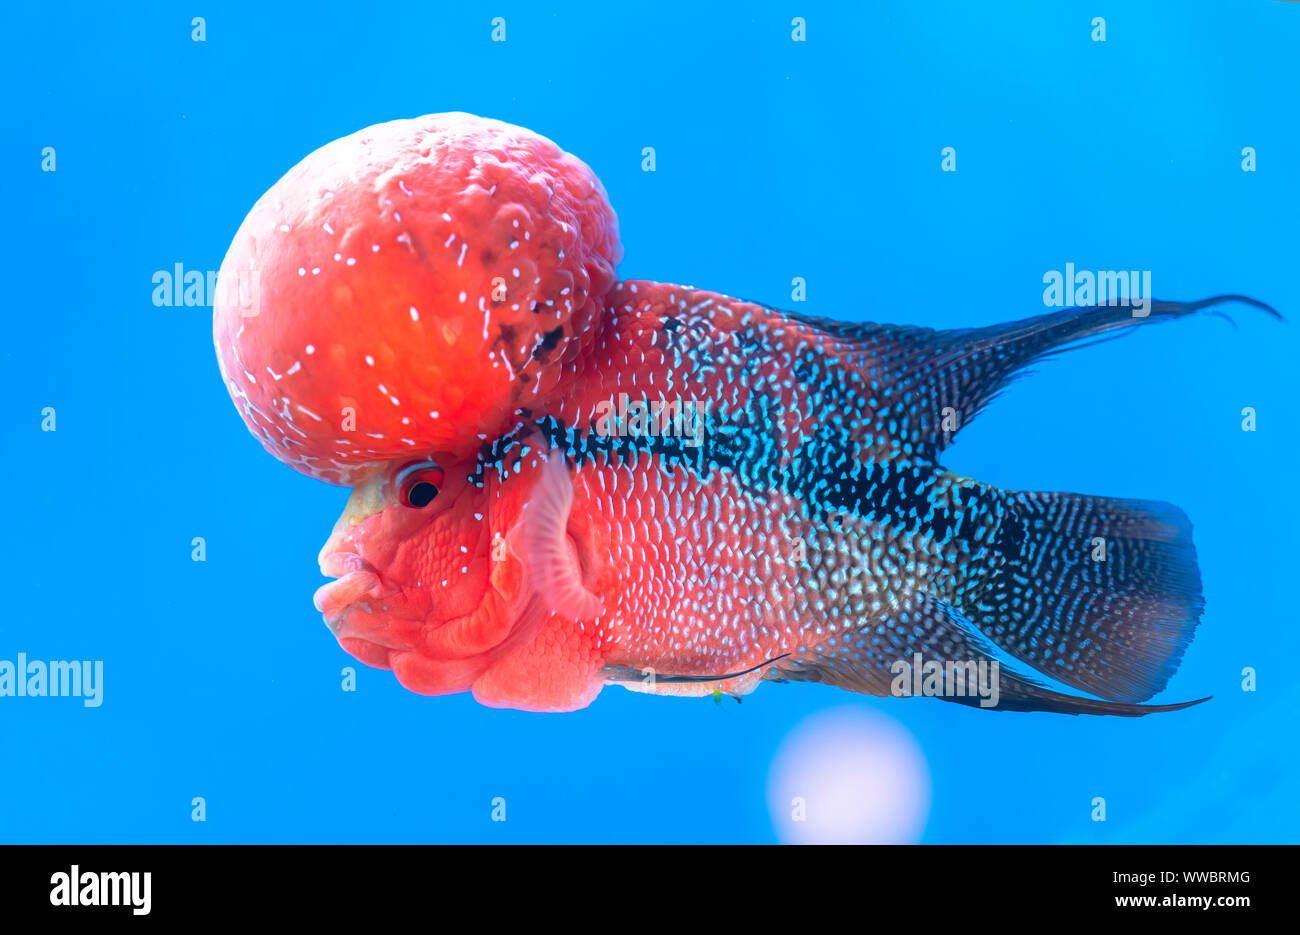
x,y
541,542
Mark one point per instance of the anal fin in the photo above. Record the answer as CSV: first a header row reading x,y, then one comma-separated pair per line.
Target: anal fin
x,y
922,626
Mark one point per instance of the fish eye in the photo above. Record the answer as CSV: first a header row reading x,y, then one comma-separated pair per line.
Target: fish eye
x,y
417,484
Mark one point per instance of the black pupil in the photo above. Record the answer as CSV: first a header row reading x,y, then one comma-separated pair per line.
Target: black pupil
x,y
422,494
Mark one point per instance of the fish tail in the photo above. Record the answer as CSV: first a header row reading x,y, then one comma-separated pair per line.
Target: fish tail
x,y
1098,593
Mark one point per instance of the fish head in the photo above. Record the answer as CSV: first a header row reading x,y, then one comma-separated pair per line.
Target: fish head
x,y
440,571
392,304
410,288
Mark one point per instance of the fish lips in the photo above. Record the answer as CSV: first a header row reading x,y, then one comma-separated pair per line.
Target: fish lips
x,y
355,580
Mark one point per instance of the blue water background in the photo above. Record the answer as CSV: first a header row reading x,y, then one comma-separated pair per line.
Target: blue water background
x,y
775,159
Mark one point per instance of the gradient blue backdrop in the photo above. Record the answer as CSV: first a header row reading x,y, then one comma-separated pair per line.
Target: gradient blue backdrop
x,y
775,159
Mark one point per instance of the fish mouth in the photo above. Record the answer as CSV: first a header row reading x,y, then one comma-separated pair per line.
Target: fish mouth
x,y
355,579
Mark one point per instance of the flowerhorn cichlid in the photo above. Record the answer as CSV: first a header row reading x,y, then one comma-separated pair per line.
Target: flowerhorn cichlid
x,y
561,480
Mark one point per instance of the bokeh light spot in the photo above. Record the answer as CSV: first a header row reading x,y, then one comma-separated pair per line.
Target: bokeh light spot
x,y
849,775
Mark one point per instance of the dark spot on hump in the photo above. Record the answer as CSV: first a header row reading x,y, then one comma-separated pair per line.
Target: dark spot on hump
x,y
488,256
537,308
551,338
507,333
547,344
671,323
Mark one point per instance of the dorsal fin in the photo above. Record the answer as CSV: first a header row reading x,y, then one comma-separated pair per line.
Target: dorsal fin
x,y
917,374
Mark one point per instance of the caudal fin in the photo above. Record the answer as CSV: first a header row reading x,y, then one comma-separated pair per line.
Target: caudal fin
x,y
1099,594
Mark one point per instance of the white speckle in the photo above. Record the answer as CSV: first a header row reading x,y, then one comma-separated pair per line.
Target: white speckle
x,y
315,270
404,238
383,389
446,216
374,248
515,273
433,414
284,228
370,360
461,259
328,229
397,216
297,365
302,271
415,314
311,348
449,240
395,401
462,297
337,257
352,261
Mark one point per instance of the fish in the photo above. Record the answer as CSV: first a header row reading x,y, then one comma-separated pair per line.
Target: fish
x,y
562,480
